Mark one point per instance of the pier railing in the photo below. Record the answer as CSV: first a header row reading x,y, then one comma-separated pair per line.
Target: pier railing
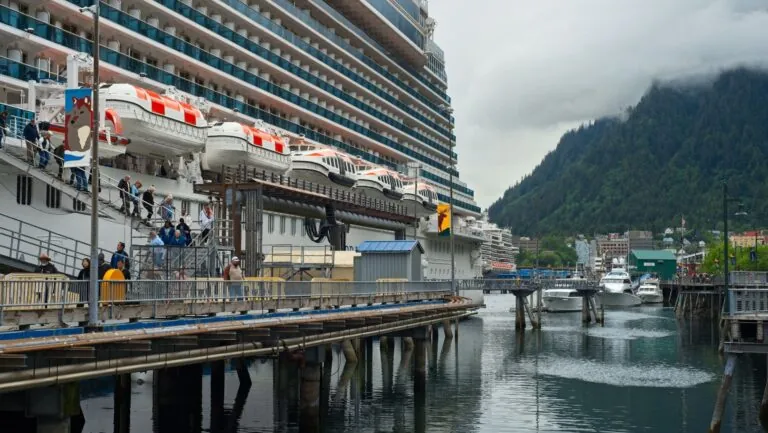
x,y
749,279
61,293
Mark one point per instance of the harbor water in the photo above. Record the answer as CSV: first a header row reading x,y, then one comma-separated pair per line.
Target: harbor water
x,y
642,372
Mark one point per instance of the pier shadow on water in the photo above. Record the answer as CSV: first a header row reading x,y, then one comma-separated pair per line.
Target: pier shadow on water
x,y
642,372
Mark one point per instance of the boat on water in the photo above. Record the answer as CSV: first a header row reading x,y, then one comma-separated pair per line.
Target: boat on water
x,y
650,292
321,165
233,144
616,290
562,295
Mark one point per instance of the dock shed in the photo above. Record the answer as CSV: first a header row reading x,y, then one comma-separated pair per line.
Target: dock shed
x,y
660,262
389,259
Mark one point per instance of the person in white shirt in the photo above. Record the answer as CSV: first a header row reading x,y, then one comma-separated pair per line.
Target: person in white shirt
x,y
206,222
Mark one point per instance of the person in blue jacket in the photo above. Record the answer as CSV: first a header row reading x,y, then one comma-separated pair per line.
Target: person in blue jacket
x,y
178,239
166,232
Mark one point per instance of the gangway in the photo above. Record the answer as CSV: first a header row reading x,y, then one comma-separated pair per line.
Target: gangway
x,y
22,243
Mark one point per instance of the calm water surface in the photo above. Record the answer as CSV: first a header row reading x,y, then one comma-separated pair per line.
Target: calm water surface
x,y
641,373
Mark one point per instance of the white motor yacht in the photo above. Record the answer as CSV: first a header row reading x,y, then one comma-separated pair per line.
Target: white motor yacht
x,y
650,292
562,296
617,289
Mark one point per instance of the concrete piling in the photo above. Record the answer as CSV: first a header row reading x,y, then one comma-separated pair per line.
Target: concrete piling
x,y
447,329
217,396
241,366
407,344
722,395
420,381
349,351
309,392
122,398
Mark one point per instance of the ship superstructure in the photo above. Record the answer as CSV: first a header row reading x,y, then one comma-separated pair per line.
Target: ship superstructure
x,y
361,78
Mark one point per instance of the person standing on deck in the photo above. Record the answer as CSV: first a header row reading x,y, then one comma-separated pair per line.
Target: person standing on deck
x,y
206,223
3,127
124,186
148,200
234,274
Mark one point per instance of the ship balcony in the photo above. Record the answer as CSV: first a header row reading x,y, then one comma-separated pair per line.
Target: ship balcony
x,y
392,29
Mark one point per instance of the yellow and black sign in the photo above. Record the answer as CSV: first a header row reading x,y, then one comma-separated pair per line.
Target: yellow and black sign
x,y
443,219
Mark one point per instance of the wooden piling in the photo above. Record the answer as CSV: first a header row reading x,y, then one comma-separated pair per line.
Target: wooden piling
x,y
349,352
722,395
519,314
585,319
763,415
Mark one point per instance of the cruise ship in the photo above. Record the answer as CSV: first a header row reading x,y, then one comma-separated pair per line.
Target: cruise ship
x,y
497,254
190,86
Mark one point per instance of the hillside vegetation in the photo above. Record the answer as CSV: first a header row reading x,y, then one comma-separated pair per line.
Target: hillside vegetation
x,y
667,158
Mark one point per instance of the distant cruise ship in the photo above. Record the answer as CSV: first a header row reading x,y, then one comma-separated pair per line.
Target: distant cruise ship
x,y
305,88
497,253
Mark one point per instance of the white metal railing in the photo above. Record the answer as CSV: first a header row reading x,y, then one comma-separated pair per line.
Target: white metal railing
x,y
53,293
748,301
749,278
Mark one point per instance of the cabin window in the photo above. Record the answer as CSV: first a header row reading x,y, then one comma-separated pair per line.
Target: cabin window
x,y
77,205
282,225
52,197
270,223
185,208
293,226
23,189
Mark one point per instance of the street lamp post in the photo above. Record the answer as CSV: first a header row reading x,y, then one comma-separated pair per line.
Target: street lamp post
x,y
93,293
726,242
450,206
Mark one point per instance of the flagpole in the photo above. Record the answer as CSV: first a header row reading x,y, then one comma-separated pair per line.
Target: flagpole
x,y
450,207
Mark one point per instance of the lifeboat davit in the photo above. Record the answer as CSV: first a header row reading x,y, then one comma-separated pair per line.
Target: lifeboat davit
x,y
157,125
233,144
421,197
322,165
378,182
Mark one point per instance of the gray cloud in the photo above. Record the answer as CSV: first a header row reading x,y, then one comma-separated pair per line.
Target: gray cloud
x,y
523,72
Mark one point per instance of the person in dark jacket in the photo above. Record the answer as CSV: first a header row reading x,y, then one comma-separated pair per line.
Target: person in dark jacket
x,y
121,267
124,186
3,126
58,154
119,254
84,278
185,230
178,239
31,136
44,150
103,266
45,266
148,201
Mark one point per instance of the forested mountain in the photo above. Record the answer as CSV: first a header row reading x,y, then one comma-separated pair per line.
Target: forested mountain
x,y
667,157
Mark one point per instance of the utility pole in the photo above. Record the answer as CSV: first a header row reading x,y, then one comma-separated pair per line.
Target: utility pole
x,y
725,243
453,261
93,293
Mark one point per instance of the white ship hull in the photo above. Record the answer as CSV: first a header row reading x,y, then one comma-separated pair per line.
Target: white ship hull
x,y
651,298
560,304
613,299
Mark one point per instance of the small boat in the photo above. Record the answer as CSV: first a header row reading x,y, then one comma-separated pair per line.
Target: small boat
x,y
650,292
321,165
562,296
233,144
378,182
617,290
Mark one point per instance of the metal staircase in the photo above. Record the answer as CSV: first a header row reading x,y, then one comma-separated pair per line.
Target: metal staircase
x,y
21,244
14,153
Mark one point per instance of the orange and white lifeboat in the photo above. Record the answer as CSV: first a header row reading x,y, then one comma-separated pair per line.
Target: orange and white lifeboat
x,y
233,144
422,196
378,182
323,165
157,125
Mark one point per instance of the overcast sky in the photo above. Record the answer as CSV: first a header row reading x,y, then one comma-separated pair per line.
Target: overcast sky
x,y
521,73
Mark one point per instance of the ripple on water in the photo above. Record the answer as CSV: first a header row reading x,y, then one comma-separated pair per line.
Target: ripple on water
x,y
627,333
644,376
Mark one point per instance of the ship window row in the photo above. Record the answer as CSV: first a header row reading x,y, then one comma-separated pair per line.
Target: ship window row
x,y
25,72
392,181
329,33
237,35
296,225
241,70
